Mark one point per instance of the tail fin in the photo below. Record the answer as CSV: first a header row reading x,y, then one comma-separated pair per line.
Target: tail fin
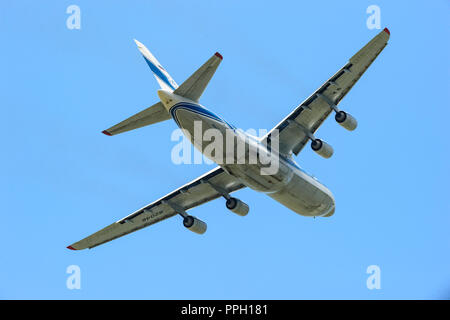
x,y
162,76
192,89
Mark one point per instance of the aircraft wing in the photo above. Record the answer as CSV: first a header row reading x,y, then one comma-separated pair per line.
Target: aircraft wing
x,y
312,112
186,197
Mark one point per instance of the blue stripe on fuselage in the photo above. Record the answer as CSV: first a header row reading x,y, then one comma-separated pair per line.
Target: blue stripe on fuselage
x,y
196,109
204,112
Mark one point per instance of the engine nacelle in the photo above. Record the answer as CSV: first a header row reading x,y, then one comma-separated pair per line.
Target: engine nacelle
x,y
237,206
346,120
322,148
194,224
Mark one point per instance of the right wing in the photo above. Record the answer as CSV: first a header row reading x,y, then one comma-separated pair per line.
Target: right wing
x,y
186,197
312,112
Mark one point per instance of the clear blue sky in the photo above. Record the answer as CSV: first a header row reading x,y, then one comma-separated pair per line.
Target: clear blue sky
x,y
62,179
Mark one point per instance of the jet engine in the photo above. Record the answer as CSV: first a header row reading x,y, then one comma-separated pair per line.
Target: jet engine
x,y
322,148
237,206
194,224
346,120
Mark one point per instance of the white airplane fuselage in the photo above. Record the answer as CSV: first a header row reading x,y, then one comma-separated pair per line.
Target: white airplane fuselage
x,y
288,185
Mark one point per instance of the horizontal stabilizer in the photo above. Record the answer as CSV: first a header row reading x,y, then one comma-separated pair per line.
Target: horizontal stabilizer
x,y
194,86
155,113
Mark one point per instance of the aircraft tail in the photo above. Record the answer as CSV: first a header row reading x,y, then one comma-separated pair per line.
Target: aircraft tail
x,y
154,114
194,86
191,89
162,76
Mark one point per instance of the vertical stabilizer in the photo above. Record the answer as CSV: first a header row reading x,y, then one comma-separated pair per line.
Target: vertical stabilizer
x,y
162,76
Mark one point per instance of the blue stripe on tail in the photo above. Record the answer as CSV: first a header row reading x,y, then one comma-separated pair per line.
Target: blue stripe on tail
x,y
158,73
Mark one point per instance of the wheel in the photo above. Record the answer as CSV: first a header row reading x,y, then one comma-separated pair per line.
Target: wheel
x,y
231,203
188,221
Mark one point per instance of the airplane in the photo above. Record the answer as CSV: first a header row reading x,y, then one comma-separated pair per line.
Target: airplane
x,y
289,185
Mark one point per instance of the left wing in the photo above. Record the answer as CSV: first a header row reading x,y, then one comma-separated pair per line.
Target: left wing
x,y
186,197
312,112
